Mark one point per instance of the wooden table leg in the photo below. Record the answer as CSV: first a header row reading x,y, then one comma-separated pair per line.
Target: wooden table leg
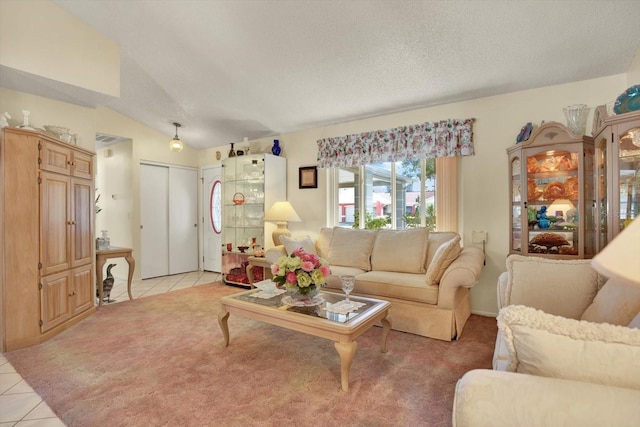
x,y
132,266
100,261
222,321
347,351
386,327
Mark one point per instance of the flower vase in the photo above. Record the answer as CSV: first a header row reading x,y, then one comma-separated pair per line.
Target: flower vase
x,y
276,147
296,293
576,118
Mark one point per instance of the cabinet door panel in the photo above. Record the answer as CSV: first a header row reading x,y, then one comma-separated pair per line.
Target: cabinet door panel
x,y
55,223
56,307
82,295
82,222
82,165
56,158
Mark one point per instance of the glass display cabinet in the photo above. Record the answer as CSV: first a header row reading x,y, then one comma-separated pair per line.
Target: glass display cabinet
x,y
250,185
617,180
551,194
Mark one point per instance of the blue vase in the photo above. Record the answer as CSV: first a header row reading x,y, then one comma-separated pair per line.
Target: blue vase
x,y
276,147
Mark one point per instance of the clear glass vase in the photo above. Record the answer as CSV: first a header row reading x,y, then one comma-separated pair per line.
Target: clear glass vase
x,y
576,118
303,293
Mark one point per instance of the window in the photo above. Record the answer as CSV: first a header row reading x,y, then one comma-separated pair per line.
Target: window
x,y
397,195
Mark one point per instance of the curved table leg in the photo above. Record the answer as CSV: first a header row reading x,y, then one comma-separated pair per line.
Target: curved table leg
x,y
100,261
347,351
386,327
132,266
222,321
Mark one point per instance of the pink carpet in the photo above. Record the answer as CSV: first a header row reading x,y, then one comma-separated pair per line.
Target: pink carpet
x,y
160,361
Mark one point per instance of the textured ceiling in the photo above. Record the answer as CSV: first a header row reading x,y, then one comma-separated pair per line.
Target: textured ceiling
x,y
229,69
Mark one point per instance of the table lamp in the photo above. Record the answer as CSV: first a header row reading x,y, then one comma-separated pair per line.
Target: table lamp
x,y
281,213
620,259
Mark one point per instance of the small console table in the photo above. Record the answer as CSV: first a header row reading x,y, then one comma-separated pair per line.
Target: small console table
x,y
261,262
113,252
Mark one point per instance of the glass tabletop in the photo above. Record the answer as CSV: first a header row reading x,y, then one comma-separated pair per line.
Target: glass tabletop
x,y
319,310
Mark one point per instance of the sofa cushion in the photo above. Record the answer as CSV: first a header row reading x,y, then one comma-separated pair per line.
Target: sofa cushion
x,y
384,284
351,247
293,243
575,284
446,253
323,242
615,303
436,239
552,346
400,250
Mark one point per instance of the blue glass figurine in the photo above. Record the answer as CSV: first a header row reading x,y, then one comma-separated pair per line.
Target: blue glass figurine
x,y
276,147
543,222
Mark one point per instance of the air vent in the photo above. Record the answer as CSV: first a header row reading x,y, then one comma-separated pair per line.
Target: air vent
x,y
104,140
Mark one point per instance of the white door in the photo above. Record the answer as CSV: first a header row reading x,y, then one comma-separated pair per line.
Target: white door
x,y
183,220
154,216
212,218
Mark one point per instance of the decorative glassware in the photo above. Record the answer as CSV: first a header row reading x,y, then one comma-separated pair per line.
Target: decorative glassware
x,y
347,283
276,147
576,118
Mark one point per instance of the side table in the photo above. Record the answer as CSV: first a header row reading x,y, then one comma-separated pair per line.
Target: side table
x,y
255,261
113,252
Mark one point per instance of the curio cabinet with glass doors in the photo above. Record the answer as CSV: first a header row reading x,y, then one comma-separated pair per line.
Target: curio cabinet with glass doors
x,y
551,194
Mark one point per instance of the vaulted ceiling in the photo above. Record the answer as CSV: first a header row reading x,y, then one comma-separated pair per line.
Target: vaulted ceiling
x,y
227,69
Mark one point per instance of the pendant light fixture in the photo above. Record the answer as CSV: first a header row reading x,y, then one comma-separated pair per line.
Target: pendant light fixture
x,y
176,144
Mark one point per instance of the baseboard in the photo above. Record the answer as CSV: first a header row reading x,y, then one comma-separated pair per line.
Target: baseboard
x,y
484,313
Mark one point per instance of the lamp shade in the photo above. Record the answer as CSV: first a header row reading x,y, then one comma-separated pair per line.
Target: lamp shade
x,y
620,259
281,213
560,205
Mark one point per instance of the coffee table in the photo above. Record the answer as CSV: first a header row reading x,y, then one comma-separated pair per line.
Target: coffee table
x,y
343,329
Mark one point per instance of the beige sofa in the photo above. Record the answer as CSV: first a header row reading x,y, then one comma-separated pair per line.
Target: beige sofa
x,y
567,352
425,275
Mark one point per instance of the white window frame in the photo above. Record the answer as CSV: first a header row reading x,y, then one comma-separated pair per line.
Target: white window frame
x,y
447,195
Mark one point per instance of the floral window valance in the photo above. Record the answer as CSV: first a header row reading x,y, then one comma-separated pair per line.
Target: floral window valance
x,y
446,138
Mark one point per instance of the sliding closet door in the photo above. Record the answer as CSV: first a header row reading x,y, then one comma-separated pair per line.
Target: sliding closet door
x,y
183,220
154,214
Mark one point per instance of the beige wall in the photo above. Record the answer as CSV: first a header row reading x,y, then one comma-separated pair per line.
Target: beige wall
x,y
633,74
484,189
113,184
483,196
146,145
484,185
40,38
45,111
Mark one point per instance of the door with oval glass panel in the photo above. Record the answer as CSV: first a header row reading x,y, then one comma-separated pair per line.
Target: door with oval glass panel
x,y
212,218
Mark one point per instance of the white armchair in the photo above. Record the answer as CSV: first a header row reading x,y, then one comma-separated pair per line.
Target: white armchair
x,y
567,352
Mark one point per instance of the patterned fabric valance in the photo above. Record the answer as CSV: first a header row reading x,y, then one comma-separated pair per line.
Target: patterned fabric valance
x,y
446,138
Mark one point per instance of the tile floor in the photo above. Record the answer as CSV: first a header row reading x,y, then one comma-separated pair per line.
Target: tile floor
x,y
20,406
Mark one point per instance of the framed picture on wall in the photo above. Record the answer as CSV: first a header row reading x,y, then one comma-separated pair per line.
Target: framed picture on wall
x,y
308,177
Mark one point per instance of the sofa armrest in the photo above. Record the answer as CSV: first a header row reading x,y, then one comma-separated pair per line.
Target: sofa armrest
x,y
503,279
505,399
464,272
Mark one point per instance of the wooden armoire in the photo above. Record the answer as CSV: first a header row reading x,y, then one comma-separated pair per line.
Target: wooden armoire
x,y
47,246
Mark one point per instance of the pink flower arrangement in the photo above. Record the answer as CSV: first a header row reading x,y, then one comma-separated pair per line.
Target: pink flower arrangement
x,y
300,271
